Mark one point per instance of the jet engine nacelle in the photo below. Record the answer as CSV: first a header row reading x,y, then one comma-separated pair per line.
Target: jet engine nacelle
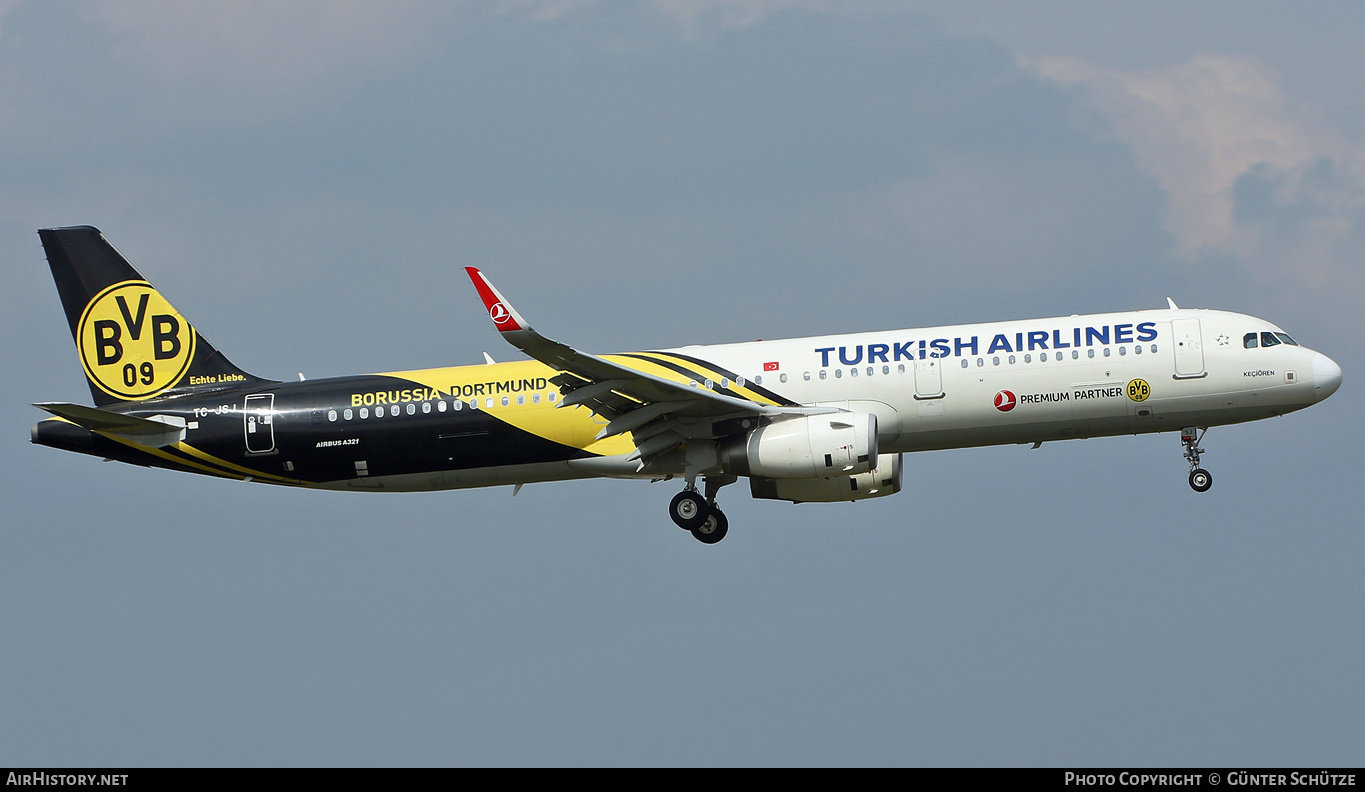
x,y
808,447
884,479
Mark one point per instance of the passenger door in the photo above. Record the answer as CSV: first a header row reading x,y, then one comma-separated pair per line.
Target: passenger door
x,y
259,424
1188,344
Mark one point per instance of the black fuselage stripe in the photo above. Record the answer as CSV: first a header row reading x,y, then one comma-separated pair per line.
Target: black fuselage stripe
x,y
767,394
695,375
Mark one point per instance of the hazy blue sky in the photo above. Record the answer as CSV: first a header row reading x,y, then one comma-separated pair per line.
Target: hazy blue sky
x,y
305,180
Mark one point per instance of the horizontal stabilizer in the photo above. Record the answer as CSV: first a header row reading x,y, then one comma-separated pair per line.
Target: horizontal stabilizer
x,y
163,432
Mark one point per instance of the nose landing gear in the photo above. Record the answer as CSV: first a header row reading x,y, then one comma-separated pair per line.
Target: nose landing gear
x,y
1200,479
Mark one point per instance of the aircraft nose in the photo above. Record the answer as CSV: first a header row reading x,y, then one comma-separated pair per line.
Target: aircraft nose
x,y
1326,376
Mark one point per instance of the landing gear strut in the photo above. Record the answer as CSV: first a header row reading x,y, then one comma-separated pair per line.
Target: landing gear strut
x,y
1200,479
700,515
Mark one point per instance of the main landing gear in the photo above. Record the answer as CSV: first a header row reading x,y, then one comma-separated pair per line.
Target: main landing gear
x,y
1200,479
700,515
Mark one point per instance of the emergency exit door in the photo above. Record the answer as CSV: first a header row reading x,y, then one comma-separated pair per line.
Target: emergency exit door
x,y
929,378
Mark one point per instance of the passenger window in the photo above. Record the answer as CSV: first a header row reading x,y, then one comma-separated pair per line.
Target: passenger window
x,y
1011,360
535,397
331,415
521,399
1075,354
1249,340
900,369
412,408
441,405
364,412
473,404
347,415
758,379
1106,351
457,404
1028,358
839,373
995,361
550,397
964,362
1090,353
426,408
806,376
394,409
1123,350
783,378
1269,340
823,374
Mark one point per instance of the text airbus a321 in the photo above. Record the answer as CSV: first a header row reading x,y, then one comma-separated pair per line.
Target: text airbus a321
x,y
819,419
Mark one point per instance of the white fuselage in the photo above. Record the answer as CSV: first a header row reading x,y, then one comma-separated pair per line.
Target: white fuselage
x,y
1042,379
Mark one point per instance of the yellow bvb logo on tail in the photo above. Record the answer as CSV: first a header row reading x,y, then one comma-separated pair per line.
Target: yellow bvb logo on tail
x,y
133,344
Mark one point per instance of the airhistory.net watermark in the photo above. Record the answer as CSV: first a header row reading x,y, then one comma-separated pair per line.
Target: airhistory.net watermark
x,y
66,779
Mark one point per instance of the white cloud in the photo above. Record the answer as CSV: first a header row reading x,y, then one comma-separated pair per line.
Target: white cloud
x,y
1247,170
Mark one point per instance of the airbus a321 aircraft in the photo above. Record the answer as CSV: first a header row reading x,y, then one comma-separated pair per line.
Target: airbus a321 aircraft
x,y
805,420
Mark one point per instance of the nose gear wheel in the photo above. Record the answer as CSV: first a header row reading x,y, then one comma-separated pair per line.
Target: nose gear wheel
x,y
1200,479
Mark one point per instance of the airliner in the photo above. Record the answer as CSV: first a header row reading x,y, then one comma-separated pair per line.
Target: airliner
x,y
820,419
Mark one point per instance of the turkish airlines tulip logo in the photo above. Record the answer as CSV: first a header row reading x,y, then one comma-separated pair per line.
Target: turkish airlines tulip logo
x,y
1005,401
499,313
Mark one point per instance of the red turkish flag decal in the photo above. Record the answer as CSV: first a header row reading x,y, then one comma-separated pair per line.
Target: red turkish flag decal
x,y
770,366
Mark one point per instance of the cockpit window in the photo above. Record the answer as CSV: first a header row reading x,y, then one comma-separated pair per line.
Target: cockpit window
x,y
1249,340
1285,338
1269,340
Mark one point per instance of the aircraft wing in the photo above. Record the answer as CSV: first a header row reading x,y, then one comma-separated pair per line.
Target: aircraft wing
x,y
661,413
